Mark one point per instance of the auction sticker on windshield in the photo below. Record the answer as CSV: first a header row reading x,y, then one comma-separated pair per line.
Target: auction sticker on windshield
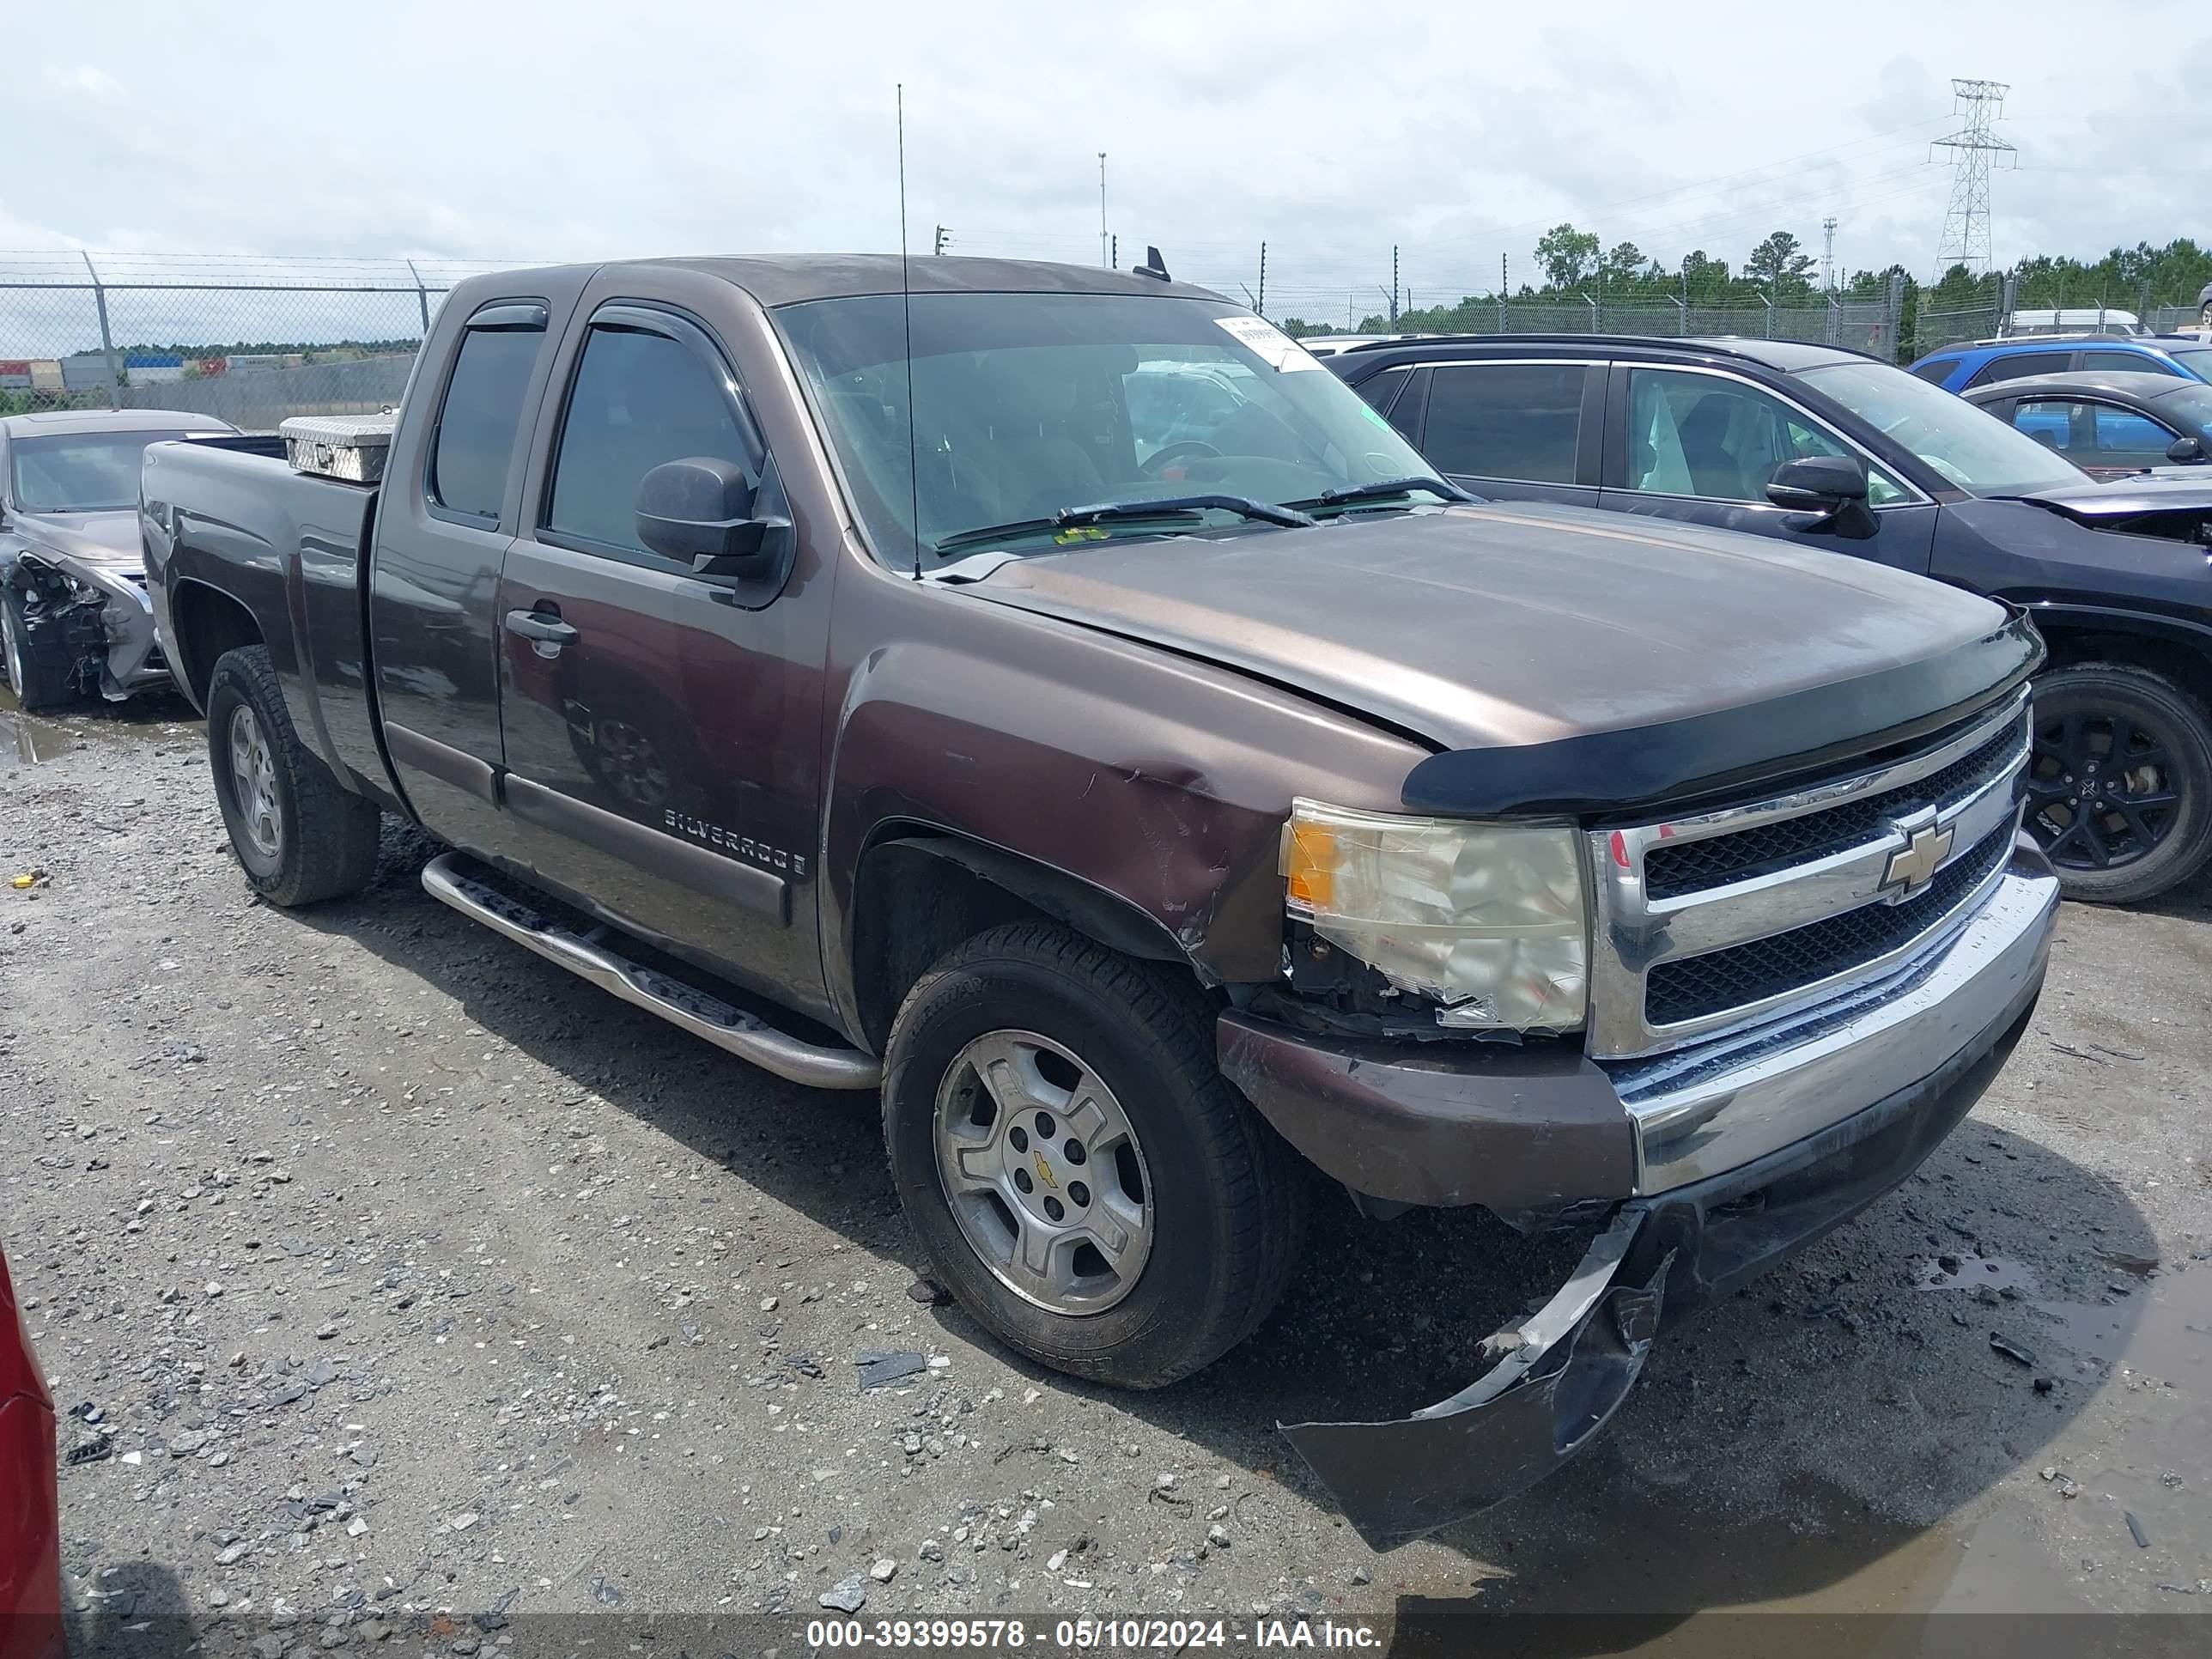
x,y
1273,347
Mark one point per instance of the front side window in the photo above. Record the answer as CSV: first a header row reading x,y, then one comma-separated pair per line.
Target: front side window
x,y
1972,449
2013,366
2049,421
1702,435
640,400
1507,420
477,423
2121,437
81,472
1024,406
1936,370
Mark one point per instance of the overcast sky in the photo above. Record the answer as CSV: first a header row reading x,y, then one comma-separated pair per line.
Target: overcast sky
x,y
472,130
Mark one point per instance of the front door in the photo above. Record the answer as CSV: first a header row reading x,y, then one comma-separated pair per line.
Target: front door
x,y
1702,445
662,727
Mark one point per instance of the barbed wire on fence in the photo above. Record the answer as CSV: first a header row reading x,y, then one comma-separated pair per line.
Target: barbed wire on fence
x,y
253,339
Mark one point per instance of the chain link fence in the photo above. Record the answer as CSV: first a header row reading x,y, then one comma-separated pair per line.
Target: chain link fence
x,y
252,341
1862,325
1936,326
249,342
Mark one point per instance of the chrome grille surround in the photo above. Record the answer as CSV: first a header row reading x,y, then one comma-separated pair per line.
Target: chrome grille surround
x,y
1634,932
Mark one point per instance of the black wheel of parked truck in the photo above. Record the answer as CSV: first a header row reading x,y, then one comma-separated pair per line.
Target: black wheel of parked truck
x,y
2119,786
1082,1179
299,837
39,669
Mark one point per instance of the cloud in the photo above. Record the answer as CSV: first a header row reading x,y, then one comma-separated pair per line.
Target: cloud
x,y
86,80
525,130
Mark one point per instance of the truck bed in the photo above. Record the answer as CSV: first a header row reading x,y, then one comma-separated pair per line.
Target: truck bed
x,y
292,549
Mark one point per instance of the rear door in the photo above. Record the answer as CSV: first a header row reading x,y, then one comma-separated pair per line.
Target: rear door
x,y
1699,443
2015,365
445,519
662,728
1513,429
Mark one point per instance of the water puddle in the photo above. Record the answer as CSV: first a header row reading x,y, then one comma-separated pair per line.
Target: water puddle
x,y
2097,1331
32,739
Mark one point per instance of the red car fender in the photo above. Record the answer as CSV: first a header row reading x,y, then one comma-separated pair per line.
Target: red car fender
x,y
30,1509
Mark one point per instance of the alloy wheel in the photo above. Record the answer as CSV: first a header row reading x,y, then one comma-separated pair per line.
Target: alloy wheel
x,y
1044,1171
2101,791
253,782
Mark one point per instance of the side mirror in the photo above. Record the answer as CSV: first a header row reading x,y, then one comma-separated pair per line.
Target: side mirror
x,y
2185,451
1825,484
700,510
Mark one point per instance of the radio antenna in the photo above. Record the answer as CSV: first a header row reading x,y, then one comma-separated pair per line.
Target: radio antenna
x,y
906,319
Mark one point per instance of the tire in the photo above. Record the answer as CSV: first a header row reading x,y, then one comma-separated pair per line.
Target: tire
x,y
1221,1197
2119,845
298,836
37,670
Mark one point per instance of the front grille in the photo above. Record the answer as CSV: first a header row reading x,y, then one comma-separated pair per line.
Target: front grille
x,y
1693,987
1672,869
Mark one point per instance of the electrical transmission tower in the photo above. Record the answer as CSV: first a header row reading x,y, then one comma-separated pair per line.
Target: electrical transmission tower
x,y
1967,221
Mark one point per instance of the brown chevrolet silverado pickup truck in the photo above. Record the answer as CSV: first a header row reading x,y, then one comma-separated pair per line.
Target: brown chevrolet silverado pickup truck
x,y
1047,697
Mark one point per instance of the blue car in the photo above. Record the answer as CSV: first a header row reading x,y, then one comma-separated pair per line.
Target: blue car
x,y
1961,367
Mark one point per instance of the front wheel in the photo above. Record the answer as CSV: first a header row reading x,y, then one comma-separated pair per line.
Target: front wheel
x,y
2119,786
1082,1177
39,669
299,837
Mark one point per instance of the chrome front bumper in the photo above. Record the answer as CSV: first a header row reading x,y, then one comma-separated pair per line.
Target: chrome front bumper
x,y
1702,1111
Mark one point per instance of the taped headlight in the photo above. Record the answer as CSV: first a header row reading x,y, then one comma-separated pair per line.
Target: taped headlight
x,y
1488,919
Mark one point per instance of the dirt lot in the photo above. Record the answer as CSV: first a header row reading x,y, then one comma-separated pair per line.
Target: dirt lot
x,y
391,1269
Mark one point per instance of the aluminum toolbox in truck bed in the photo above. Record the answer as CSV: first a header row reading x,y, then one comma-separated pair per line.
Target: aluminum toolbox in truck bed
x,y
349,446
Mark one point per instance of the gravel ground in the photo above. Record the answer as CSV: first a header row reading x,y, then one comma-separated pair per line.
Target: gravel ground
x,y
390,1269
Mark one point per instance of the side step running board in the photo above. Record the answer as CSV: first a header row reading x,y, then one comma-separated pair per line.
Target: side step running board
x,y
447,880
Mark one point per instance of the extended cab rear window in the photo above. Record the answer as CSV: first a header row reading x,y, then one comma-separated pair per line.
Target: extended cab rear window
x,y
477,423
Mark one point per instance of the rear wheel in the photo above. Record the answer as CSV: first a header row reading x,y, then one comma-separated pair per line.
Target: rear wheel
x,y
1082,1177
298,836
39,669
2119,787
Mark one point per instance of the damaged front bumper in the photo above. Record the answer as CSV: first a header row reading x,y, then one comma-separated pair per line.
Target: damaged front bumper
x,y
100,618
1566,1370
1700,1175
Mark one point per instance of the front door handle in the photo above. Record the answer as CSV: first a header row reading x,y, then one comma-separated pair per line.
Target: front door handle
x,y
540,629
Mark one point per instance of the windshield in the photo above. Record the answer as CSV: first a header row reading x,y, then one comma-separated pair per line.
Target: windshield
x,y
1030,404
2197,359
81,472
1972,448
2188,407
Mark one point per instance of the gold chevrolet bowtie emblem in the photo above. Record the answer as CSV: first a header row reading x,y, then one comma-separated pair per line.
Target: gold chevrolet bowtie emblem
x,y
1913,865
1044,1170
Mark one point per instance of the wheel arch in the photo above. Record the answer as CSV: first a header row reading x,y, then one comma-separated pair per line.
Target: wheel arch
x,y
920,891
205,622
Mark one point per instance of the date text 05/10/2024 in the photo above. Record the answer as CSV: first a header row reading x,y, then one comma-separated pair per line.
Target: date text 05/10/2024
x,y
1090,1635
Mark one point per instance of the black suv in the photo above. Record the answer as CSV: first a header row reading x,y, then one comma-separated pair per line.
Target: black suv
x,y
1831,451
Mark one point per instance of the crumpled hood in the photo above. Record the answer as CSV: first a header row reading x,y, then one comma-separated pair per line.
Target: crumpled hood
x,y
108,540
2166,490
1488,626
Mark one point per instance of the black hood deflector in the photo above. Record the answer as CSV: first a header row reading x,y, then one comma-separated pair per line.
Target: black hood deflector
x,y
1727,750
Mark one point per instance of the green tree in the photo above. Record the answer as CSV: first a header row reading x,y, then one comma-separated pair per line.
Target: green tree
x,y
1568,256
1781,266
1623,265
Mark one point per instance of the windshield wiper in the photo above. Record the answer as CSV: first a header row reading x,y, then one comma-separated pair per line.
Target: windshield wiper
x,y
1385,487
1166,506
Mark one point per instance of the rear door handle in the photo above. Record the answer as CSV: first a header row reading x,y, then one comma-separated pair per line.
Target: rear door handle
x,y
540,628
